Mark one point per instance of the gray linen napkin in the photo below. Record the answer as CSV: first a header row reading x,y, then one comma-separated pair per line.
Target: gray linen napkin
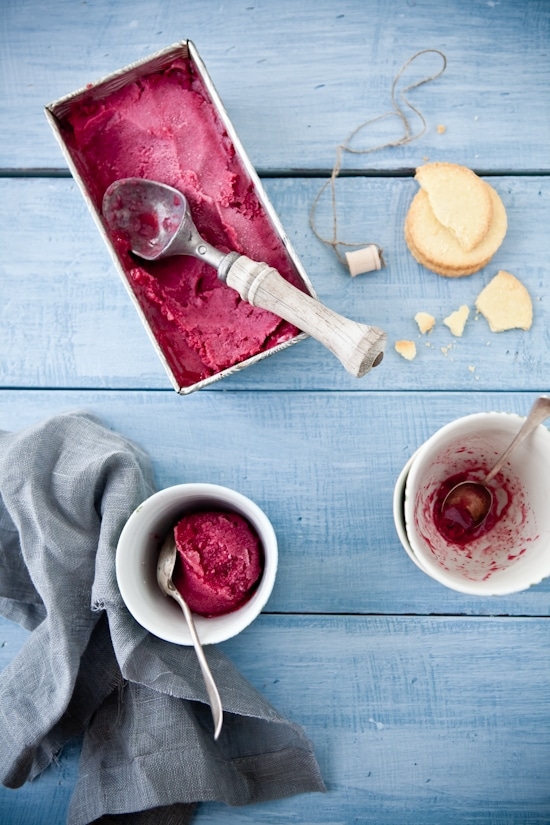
x,y
67,486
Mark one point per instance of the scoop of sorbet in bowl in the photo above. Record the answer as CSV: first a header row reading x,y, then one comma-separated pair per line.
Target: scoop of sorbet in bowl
x,y
252,558
220,561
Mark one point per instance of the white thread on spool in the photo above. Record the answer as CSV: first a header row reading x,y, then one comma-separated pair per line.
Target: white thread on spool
x,y
363,260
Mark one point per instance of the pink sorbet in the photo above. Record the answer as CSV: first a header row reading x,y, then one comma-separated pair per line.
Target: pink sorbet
x,y
220,561
165,127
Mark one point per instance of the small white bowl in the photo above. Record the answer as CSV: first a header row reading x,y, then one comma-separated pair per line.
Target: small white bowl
x,y
137,554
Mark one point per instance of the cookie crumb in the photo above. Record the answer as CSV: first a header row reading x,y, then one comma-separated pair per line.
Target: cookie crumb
x,y
406,348
441,129
456,321
425,321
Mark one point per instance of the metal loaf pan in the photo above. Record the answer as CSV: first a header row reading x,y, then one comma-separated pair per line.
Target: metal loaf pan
x,y
57,113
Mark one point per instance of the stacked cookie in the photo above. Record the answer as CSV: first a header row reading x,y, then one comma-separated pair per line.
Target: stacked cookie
x,y
456,221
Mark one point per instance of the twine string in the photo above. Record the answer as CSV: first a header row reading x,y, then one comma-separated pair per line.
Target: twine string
x,y
399,102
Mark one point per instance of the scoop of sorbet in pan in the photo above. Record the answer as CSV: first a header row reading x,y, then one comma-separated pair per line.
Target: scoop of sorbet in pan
x,y
220,561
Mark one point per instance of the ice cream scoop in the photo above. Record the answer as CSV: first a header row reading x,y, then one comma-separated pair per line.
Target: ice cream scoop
x,y
165,569
468,503
156,221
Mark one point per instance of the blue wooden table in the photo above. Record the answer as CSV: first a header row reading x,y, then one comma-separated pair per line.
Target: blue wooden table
x,y
424,705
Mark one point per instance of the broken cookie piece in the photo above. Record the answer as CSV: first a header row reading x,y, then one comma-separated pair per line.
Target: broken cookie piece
x,y
459,200
406,348
456,321
425,321
505,303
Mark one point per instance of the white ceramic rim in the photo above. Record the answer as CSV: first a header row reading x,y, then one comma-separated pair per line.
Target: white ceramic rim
x,y
399,512
137,552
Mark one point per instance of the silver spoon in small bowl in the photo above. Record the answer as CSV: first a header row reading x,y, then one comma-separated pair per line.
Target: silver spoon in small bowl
x,y
165,569
474,498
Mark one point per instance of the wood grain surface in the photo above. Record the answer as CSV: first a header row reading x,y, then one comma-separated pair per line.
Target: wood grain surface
x,y
82,330
296,80
407,736
425,706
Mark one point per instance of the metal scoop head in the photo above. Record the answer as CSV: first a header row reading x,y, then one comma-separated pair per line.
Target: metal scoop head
x,y
156,221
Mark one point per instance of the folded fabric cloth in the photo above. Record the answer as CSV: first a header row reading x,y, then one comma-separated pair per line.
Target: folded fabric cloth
x,y
67,486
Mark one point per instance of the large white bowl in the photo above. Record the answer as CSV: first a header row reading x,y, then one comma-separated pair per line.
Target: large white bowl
x,y
137,554
515,553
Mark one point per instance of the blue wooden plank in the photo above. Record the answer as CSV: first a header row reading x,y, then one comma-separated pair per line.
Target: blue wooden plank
x,y
67,321
413,720
297,82
322,465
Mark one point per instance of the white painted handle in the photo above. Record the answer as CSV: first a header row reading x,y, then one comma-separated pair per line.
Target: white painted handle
x,y
357,346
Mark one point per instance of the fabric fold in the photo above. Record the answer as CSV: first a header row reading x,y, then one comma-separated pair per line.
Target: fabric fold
x,y
67,487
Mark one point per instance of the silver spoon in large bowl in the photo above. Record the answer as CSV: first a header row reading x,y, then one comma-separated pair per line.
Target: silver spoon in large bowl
x,y
165,570
469,502
156,221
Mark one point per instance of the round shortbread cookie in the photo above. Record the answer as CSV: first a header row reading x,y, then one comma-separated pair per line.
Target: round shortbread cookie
x,y
459,200
440,269
437,246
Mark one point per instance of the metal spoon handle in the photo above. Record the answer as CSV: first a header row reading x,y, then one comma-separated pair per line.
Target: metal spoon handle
x,y
539,411
211,688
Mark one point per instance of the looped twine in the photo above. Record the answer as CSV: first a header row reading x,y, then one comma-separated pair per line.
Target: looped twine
x,y
408,136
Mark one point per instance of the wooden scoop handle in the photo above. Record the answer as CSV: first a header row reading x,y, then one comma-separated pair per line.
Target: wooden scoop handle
x,y
357,346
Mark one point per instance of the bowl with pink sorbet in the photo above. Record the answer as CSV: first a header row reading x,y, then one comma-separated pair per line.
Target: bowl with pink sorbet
x,y
509,550
225,566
